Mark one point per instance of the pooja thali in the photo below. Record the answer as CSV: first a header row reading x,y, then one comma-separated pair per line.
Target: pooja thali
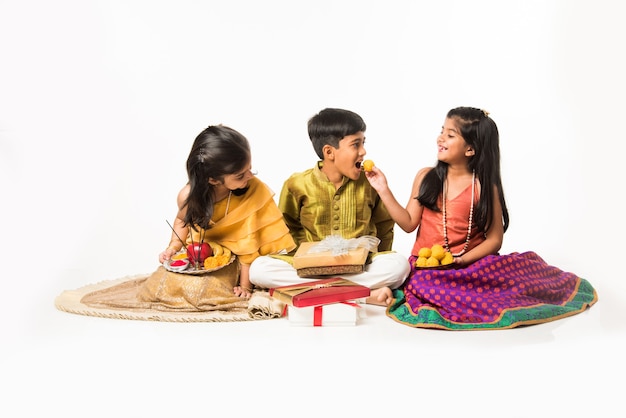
x,y
188,268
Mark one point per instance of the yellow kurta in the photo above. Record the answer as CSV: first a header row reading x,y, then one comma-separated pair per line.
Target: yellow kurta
x,y
253,225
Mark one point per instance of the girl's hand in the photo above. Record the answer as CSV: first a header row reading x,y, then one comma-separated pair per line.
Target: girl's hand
x,y
242,292
166,255
376,178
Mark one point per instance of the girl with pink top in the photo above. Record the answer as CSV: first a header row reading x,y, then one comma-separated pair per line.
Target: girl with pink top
x,y
459,204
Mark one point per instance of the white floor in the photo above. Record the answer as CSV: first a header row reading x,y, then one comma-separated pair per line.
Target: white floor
x,y
75,366
99,104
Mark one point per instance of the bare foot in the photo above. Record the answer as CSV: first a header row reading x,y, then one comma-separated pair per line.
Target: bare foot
x,y
381,297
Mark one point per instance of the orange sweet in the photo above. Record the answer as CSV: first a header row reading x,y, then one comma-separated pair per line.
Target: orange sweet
x,y
437,251
447,258
432,262
367,165
420,262
425,252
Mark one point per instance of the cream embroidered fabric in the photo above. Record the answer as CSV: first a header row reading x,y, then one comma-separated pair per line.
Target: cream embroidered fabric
x,y
171,297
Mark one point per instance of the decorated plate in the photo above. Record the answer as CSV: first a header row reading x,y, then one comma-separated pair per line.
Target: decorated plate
x,y
189,269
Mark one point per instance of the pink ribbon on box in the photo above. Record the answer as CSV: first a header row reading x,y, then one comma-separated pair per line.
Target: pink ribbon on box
x,y
317,312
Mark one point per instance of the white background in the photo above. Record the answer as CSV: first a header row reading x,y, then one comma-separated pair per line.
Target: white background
x,y
100,102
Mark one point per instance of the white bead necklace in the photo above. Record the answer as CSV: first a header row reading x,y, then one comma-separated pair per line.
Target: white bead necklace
x,y
469,222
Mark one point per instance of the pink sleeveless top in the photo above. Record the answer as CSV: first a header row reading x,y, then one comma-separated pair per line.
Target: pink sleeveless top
x,y
430,231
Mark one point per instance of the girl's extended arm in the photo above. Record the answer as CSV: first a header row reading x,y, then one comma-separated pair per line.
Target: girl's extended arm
x,y
407,218
179,228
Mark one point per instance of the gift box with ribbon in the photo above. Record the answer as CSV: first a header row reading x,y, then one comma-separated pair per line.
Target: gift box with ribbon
x,y
320,292
334,314
333,255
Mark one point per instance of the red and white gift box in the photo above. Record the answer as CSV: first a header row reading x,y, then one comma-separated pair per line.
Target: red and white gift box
x,y
320,292
345,313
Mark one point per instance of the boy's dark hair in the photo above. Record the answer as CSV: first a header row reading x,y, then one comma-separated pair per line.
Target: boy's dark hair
x,y
330,125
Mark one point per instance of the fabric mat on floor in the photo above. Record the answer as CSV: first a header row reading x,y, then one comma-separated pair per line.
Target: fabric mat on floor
x,y
260,306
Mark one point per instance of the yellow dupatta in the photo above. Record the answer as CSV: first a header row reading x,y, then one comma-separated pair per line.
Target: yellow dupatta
x,y
252,226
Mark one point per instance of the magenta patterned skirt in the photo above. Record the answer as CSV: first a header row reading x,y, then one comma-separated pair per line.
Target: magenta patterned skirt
x,y
496,292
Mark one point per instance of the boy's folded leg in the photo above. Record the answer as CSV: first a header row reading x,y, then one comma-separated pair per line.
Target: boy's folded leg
x,y
268,272
388,269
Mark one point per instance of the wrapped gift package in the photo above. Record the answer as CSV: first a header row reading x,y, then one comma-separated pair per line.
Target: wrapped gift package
x,y
320,292
333,255
334,314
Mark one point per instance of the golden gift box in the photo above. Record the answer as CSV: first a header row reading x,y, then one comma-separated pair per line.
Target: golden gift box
x,y
333,255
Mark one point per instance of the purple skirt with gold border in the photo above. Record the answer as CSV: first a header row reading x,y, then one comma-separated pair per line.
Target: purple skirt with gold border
x,y
496,292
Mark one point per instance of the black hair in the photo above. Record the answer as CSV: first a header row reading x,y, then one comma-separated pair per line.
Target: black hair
x,y
481,133
330,125
217,151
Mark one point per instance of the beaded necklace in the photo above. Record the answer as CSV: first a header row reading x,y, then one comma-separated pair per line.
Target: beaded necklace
x,y
469,222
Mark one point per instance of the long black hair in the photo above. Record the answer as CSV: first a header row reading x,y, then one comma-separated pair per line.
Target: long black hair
x,y
216,152
481,133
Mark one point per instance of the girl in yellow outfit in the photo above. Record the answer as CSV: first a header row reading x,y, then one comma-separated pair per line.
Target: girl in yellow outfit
x,y
224,202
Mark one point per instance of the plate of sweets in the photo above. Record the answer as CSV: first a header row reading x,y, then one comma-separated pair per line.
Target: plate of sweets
x,y
199,258
434,258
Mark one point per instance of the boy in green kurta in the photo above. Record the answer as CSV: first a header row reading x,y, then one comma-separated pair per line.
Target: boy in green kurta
x,y
335,198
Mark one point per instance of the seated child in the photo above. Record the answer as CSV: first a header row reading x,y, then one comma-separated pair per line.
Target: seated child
x,y
335,198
